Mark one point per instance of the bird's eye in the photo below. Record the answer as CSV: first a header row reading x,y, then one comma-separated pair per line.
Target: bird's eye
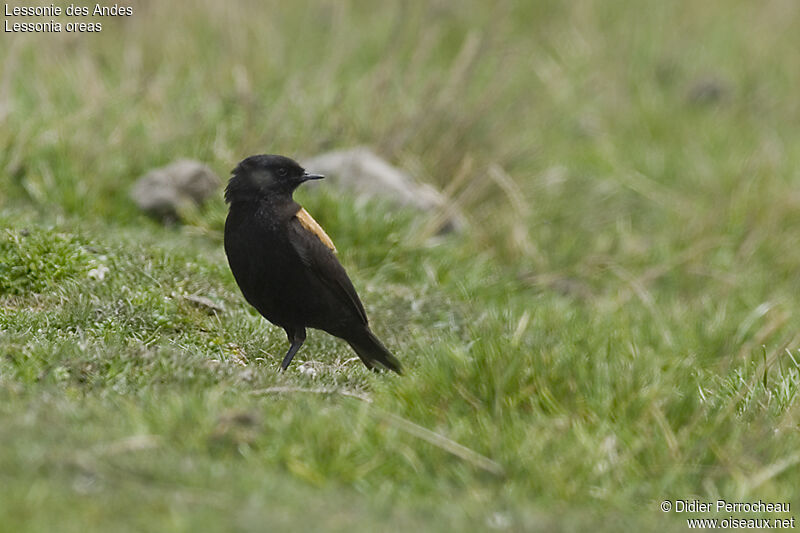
x,y
282,171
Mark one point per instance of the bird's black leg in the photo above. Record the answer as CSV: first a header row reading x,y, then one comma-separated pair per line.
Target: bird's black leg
x,y
296,337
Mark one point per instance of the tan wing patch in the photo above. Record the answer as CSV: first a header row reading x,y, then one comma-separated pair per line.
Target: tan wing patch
x,y
311,225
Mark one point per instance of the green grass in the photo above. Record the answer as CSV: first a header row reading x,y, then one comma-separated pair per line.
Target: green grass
x,y
617,326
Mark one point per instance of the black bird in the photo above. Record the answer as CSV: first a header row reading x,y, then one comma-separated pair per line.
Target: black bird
x,y
285,263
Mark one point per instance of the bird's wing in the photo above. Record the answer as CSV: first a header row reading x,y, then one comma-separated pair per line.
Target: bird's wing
x,y
308,222
316,251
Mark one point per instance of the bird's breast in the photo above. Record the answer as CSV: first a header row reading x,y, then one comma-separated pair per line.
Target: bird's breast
x,y
264,264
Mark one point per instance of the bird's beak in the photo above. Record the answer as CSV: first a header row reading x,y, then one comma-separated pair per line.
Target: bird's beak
x,y
308,176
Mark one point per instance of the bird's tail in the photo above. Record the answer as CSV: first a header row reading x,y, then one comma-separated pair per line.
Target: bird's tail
x,y
371,350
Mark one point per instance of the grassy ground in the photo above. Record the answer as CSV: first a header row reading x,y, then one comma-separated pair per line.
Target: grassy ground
x,y
618,326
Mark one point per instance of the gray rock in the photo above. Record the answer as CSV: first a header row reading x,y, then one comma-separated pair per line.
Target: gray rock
x,y
164,192
368,175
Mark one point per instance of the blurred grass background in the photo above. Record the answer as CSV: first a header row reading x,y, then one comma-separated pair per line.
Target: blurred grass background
x,y
617,326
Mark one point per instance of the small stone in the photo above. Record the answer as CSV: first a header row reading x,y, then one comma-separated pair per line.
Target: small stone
x,y
203,303
708,90
98,273
164,192
307,369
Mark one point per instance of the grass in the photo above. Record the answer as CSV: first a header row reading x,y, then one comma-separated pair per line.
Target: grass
x,y
618,326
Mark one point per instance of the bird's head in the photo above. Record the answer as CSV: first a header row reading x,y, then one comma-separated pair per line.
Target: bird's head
x,y
261,176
